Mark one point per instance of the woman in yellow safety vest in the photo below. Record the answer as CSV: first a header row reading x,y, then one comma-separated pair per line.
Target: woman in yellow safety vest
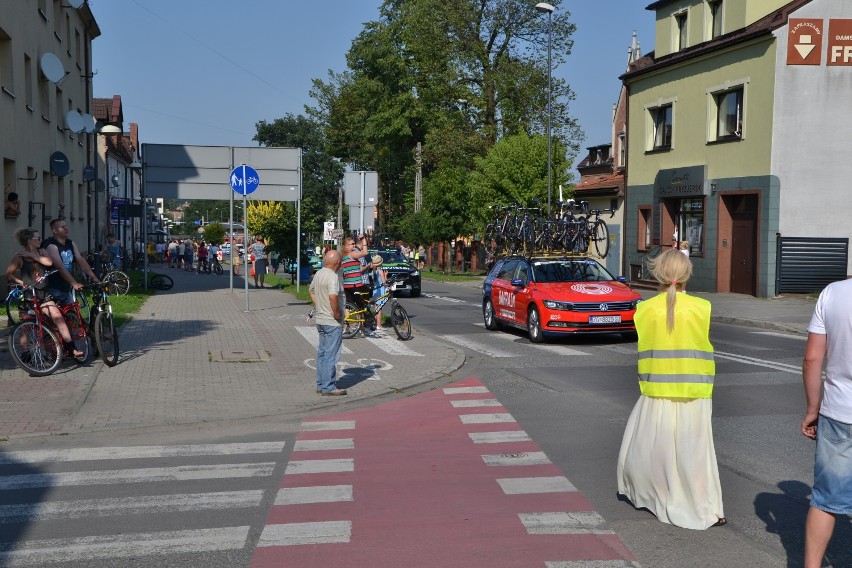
x,y
667,463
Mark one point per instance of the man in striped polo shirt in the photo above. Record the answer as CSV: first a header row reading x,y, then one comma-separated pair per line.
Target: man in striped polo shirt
x,y
353,268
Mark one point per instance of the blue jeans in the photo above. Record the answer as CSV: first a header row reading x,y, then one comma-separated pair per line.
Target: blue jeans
x,y
328,354
832,490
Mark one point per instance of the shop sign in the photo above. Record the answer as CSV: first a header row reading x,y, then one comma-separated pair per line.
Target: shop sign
x,y
839,42
804,41
680,182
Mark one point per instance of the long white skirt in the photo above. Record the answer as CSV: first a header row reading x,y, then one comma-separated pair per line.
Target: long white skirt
x,y
667,463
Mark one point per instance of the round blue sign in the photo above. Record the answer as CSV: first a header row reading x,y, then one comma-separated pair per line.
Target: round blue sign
x,y
244,179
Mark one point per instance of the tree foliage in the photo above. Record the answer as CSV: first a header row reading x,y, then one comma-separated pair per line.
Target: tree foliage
x,y
458,77
214,233
275,221
321,173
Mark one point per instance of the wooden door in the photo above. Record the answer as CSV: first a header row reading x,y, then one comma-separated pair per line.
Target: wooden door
x,y
743,250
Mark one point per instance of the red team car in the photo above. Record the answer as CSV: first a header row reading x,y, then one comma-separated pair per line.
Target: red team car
x,y
550,296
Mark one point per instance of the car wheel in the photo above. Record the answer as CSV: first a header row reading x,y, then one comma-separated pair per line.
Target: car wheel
x,y
491,322
534,326
415,293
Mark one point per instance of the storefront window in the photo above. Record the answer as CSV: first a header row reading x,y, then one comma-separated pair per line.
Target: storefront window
x,y
690,224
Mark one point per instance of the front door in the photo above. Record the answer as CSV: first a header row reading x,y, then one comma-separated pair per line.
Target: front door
x,y
744,247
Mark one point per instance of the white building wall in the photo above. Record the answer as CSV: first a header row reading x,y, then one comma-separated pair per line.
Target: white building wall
x,y
812,136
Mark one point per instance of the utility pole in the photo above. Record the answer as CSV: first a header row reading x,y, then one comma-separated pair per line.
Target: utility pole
x,y
418,179
339,208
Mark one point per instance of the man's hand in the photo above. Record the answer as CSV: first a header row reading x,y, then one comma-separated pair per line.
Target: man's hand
x,y
77,286
809,425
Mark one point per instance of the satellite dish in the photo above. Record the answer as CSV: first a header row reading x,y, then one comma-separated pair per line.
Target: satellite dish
x,y
74,121
89,123
59,164
89,173
52,67
100,185
76,3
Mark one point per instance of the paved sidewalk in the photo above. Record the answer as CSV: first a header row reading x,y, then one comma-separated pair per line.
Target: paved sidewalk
x,y
170,371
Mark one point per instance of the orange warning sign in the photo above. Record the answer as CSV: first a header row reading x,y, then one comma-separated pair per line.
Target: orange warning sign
x,y
804,41
839,42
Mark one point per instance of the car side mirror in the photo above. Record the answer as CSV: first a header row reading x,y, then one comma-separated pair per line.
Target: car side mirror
x,y
518,283
621,279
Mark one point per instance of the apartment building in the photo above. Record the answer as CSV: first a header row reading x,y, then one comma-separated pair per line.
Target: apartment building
x,y
738,126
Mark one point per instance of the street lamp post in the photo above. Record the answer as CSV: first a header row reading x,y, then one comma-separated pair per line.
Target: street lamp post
x,y
548,8
103,130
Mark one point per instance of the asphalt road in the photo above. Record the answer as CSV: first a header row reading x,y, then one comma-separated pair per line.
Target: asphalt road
x,y
572,396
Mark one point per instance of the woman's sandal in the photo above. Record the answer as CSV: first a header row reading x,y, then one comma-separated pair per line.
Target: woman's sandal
x,y
721,522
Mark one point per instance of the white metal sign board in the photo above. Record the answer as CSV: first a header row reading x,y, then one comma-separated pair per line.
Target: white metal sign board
x,y
174,171
354,182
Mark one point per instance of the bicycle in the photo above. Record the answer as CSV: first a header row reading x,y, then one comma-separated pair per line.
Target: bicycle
x,y
108,273
598,231
101,325
16,305
155,281
35,344
357,319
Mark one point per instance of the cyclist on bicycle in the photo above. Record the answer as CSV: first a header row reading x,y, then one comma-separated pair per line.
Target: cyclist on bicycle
x,y
112,251
31,262
354,271
63,253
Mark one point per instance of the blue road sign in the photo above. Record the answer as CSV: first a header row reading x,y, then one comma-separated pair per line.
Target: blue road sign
x,y
244,179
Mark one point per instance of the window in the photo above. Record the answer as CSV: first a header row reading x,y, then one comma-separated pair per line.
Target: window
x,y
729,114
6,62
715,7
508,270
690,224
680,35
622,150
661,118
28,82
643,236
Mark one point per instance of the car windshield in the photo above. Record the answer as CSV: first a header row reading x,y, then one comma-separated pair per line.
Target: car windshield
x,y
570,270
392,257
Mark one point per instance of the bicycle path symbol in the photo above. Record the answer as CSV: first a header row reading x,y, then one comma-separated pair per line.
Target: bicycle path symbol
x,y
365,369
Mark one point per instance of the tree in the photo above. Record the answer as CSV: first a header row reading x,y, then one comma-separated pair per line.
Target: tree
x,y
515,172
321,173
276,222
457,76
214,233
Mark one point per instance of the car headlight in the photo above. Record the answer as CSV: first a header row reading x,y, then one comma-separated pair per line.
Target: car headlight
x,y
555,305
415,273
636,303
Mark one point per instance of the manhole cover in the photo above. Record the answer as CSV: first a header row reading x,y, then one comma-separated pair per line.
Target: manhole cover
x,y
239,356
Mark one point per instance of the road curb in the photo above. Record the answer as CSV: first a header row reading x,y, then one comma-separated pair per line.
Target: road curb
x,y
774,326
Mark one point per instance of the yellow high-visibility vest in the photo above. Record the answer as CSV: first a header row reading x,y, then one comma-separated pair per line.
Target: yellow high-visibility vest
x,y
678,364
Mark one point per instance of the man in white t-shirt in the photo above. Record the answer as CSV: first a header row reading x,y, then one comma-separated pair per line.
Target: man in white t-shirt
x,y
829,422
326,291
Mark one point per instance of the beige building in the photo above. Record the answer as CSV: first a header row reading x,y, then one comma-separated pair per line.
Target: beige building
x,y
46,117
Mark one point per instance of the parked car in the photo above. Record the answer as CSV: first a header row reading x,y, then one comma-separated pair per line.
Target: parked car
x,y
552,296
406,274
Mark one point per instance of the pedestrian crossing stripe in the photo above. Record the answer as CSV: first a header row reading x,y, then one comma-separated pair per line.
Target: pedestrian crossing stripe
x,y
146,475
133,452
50,551
31,512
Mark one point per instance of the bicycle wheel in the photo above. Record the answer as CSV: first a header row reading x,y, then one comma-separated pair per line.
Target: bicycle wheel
x,y
162,282
118,280
400,321
354,322
106,338
13,307
600,235
217,268
35,348
79,336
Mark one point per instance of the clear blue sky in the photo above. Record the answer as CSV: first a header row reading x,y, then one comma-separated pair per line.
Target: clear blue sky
x,y
205,71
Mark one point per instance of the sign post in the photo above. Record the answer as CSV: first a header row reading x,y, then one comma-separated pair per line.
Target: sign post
x,y
244,180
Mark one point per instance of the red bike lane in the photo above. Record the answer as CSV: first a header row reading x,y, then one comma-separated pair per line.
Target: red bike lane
x,y
444,478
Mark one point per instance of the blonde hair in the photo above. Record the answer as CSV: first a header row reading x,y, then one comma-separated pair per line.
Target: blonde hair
x,y
672,270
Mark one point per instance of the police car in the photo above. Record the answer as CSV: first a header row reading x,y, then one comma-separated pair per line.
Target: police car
x,y
406,274
551,296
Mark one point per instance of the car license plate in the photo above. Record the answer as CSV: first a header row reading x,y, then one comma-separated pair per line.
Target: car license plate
x,y
604,319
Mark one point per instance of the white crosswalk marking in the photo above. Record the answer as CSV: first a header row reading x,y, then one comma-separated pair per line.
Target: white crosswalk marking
x,y
120,505
44,552
147,475
558,349
130,452
311,335
473,345
391,345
